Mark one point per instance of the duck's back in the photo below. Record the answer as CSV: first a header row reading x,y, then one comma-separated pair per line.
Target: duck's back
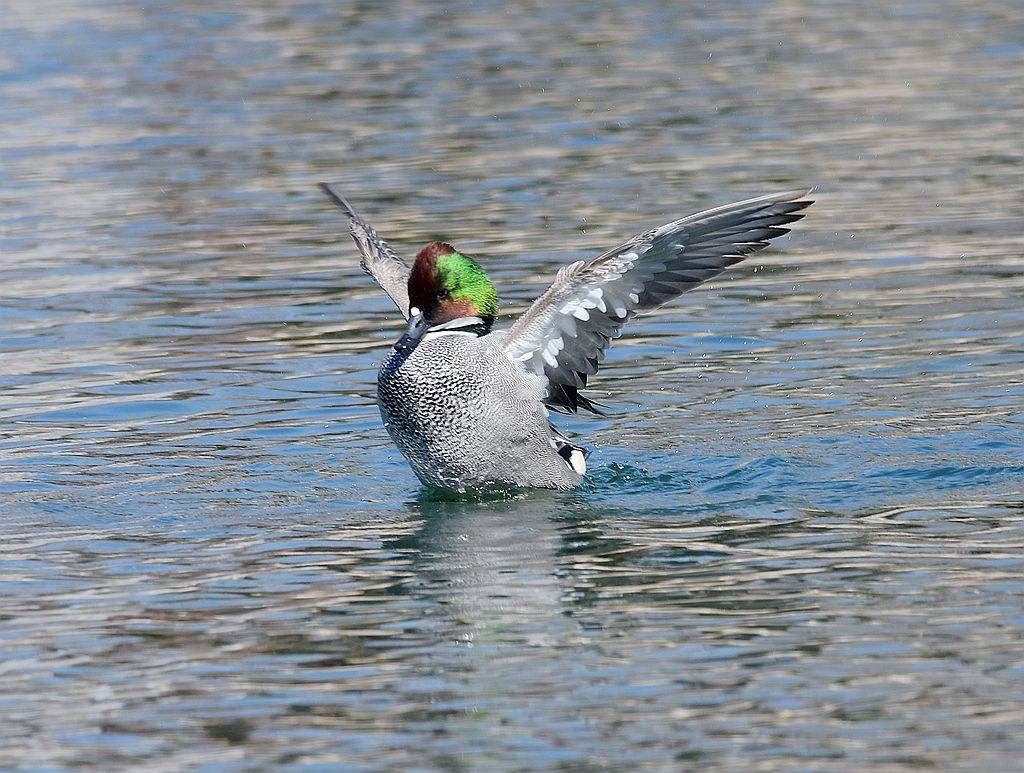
x,y
465,415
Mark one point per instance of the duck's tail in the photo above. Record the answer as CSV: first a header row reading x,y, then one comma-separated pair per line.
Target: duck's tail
x,y
575,456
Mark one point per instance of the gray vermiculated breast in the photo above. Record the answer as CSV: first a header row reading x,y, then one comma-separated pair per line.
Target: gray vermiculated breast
x,y
462,413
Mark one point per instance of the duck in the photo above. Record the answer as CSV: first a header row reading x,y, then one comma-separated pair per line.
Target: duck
x,y
468,406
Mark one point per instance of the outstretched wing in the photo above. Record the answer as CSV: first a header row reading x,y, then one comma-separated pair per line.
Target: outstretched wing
x,y
377,258
564,334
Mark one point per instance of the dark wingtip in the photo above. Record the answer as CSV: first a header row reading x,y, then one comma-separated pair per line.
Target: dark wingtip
x,y
797,193
567,399
337,198
807,197
589,405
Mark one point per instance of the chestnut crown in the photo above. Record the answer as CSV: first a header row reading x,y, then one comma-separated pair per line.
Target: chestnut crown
x,y
444,285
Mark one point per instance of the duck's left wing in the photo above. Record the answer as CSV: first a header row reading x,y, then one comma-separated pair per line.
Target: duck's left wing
x,y
376,256
564,334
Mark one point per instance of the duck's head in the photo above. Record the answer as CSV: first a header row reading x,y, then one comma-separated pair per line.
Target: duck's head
x,y
445,285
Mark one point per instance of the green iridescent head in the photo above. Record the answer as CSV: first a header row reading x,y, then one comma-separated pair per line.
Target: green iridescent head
x,y
445,284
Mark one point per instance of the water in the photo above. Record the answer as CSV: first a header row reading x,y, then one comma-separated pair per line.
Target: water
x,y
803,539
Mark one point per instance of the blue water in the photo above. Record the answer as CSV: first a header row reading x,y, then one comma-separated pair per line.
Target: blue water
x,y
802,539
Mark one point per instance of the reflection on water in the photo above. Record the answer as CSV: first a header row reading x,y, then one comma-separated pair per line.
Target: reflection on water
x,y
802,540
537,629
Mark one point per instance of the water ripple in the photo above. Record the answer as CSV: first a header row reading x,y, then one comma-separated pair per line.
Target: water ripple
x,y
801,541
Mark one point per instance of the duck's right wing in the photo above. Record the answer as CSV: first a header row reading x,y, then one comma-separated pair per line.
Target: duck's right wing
x,y
564,334
376,256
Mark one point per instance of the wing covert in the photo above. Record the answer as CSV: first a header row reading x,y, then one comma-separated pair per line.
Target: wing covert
x,y
564,334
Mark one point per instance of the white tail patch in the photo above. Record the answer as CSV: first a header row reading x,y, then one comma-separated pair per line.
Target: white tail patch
x,y
578,461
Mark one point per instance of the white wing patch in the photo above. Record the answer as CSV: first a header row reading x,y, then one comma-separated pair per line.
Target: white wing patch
x,y
580,307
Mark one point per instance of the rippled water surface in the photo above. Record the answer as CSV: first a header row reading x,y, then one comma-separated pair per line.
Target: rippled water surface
x,y
802,542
